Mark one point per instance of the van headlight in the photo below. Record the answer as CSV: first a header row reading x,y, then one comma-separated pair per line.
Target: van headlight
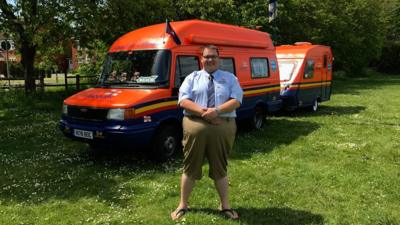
x,y
121,114
116,114
65,109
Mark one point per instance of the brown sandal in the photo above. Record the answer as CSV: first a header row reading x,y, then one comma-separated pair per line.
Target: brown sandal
x,y
230,214
176,215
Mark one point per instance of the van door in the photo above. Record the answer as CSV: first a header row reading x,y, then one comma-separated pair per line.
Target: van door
x,y
184,65
307,93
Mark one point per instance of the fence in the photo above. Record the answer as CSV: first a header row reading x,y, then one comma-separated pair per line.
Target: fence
x,y
56,80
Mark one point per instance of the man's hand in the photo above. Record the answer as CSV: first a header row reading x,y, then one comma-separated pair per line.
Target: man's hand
x,y
210,114
216,121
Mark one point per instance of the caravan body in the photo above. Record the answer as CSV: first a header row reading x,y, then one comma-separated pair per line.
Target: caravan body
x,y
305,74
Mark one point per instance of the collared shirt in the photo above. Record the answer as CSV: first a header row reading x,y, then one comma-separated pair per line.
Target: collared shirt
x,y
226,85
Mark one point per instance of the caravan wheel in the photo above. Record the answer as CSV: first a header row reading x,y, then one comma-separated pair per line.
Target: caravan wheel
x,y
258,119
315,105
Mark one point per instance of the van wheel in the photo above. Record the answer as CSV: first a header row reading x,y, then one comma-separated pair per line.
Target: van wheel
x,y
258,119
166,143
314,106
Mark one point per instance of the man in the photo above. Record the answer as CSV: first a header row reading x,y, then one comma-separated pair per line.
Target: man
x,y
209,98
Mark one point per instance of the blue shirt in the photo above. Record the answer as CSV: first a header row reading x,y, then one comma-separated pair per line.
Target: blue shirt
x,y
226,85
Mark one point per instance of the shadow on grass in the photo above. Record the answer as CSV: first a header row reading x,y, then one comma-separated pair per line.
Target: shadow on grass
x,y
72,172
278,216
276,132
324,110
270,216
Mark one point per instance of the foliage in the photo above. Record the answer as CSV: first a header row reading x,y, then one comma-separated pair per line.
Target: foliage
x,y
34,24
96,51
390,57
46,58
213,10
339,165
16,70
354,29
108,20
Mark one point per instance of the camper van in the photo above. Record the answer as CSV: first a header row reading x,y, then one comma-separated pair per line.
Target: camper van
x,y
135,101
305,74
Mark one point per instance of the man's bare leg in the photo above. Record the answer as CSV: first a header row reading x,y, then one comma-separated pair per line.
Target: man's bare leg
x,y
222,187
187,185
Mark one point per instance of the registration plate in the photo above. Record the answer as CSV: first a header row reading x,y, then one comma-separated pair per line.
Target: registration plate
x,y
83,134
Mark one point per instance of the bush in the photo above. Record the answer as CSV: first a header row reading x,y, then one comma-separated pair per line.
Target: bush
x,y
89,69
390,59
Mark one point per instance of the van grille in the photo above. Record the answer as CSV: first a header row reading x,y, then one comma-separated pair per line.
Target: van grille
x,y
85,113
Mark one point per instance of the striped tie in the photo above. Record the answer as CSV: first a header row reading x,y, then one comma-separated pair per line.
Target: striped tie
x,y
211,92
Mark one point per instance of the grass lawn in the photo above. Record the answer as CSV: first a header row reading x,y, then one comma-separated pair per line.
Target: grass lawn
x,y
340,165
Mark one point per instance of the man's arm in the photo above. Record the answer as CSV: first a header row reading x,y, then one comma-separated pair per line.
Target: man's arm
x,y
192,107
228,106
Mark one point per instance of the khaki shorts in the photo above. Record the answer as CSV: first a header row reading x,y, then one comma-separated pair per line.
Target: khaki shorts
x,y
203,140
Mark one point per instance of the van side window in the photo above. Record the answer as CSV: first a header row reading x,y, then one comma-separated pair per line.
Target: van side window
x,y
185,65
259,67
309,70
227,64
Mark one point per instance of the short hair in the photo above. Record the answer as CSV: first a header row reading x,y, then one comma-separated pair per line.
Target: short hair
x,y
210,47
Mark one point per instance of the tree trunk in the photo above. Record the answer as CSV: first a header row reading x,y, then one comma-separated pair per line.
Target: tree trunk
x,y
28,57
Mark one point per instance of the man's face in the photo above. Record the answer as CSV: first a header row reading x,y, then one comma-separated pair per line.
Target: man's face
x,y
210,60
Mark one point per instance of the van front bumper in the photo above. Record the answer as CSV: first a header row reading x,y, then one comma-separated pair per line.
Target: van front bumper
x,y
108,133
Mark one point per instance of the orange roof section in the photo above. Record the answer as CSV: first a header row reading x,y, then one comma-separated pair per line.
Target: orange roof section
x,y
298,48
192,32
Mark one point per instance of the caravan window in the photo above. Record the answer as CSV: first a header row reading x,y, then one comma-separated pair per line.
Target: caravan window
x,y
185,65
309,70
287,69
227,64
259,67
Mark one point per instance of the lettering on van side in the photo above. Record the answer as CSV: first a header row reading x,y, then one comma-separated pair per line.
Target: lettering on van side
x,y
98,96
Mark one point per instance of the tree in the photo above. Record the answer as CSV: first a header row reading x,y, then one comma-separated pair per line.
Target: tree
x,y
34,23
390,57
355,29
107,20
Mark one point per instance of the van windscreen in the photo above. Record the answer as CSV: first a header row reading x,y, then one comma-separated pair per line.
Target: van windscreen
x,y
136,67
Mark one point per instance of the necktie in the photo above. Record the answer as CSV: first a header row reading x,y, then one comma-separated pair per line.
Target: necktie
x,y
211,92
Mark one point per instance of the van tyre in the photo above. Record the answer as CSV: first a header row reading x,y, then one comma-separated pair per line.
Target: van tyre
x,y
166,143
258,119
314,106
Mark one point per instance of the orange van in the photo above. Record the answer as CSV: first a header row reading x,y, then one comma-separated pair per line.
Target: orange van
x,y
305,74
135,101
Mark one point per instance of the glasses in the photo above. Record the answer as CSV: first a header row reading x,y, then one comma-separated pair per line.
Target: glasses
x,y
210,56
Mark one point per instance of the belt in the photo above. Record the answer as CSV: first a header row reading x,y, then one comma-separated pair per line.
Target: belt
x,y
222,118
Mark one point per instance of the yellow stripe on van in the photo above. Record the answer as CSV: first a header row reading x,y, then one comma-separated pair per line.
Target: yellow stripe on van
x,y
315,84
257,91
155,106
